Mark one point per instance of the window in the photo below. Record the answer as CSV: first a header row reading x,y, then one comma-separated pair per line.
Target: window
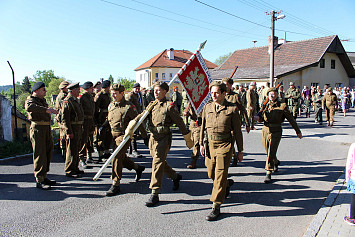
x,y
338,84
163,76
171,76
156,76
332,64
322,63
140,77
314,84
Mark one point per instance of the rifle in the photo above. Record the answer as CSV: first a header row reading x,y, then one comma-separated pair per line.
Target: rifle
x,y
235,69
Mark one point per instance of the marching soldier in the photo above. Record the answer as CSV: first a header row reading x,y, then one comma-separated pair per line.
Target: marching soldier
x,y
293,95
58,105
273,115
233,97
120,113
163,115
94,141
102,101
221,120
317,100
73,118
88,104
330,102
252,100
195,128
136,98
40,133
176,98
185,102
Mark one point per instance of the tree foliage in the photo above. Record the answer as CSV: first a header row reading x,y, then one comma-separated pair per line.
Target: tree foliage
x,y
222,59
127,83
26,85
111,79
53,88
45,76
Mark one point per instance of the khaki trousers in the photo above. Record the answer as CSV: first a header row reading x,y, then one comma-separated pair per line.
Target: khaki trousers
x,y
217,168
196,140
73,146
121,160
330,111
271,141
251,114
42,145
88,128
62,135
159,151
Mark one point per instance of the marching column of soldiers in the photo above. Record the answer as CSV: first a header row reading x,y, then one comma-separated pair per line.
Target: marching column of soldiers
x,y
102,116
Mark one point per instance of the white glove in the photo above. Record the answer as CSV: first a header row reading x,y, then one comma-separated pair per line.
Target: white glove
x,y
129,130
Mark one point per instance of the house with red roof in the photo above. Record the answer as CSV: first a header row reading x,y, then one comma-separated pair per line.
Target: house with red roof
x,y
320,61
164,66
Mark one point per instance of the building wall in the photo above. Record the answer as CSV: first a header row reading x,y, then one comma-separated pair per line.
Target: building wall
x,y
319,75
5,119
143,77
21,124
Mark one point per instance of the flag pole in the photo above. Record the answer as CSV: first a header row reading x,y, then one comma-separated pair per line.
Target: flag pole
x,y
144,116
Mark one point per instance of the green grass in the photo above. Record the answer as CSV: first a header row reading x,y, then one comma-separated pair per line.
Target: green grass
x,y
9,149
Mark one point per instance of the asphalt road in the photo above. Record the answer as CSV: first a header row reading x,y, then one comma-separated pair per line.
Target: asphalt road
x,y
79,207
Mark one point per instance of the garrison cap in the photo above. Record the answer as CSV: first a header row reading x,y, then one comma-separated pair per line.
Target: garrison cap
x,y
63,84
219,84
37,86
73,86
97,83
292,84
87,85
105,84
228,80
117,87
253,83
162,85
136,85
272,89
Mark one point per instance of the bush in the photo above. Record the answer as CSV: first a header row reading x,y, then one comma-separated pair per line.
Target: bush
x,y
9,149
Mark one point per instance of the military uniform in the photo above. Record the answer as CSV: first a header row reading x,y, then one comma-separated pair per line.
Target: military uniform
x,y
318,117
251,106
88,105
73,119
185,102
233,97
137,101
40,135
177,99
102,101
58,105
329,102
195,128
273,116
221,123
293,95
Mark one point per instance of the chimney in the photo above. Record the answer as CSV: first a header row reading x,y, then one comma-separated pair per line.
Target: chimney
x,y
281,41
171,54
275,43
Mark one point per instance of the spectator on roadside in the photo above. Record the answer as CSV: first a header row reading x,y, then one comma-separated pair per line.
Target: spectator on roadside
x,y
307,104
305,92
350,179
352,93
345,101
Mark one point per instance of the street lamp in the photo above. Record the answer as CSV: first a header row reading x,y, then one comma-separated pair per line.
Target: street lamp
x,y
273,19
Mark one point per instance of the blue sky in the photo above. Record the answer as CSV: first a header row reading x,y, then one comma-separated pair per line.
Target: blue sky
x,y
85,40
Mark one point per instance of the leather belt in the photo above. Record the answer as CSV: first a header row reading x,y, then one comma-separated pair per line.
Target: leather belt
x,y
41,123
77,122
272,125
88,117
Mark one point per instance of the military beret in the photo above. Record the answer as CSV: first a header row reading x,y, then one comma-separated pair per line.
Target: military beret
x,y
136,85
253,83
87,85
162,85
272,89
73,86
97,83
291,83
63,84
37,86
117,87
105,84
220,85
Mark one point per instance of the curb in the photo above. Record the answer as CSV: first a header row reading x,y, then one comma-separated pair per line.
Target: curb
x,y
322,213
16,157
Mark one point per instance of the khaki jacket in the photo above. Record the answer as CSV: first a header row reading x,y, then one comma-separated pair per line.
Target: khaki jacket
x,y
36,109
72,113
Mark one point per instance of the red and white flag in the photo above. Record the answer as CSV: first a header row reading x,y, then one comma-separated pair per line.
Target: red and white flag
x,y
195,79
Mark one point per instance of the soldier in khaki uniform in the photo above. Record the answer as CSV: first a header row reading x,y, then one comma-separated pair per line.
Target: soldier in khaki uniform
x,y
97,89
330,103
233,97
88,104
221,120
73,119
273,116
163,115
251,104
58,105
317,101
195,128
185,102
176,98
102,101
120,113
40,134
136,98
293,95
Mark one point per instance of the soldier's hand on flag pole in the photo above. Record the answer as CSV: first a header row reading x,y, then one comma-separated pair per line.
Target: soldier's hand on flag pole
x,y
129,130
